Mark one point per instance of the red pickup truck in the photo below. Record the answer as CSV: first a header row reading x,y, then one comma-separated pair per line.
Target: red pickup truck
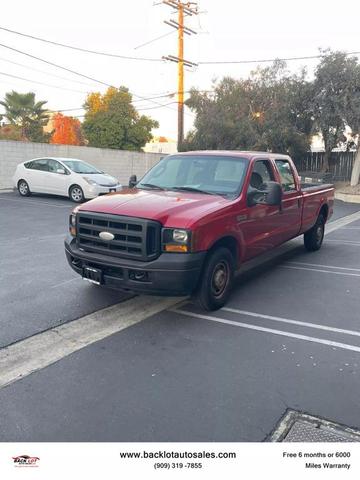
x,y
192,220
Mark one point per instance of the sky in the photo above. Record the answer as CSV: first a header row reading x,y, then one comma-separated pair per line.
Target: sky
x,y
227,30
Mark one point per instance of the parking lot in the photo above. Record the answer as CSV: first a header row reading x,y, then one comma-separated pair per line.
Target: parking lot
x,y
288,338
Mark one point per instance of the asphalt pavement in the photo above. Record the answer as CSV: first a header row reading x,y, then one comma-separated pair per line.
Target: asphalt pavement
x,y
289,338
38,288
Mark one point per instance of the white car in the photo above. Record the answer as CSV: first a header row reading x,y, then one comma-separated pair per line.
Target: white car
x,y
68,177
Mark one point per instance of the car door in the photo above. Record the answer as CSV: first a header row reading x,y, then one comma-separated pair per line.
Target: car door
x,y
57,181
260,230
290,218
38,175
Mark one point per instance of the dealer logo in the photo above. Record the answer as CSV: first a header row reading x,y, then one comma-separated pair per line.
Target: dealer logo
x,y
25,461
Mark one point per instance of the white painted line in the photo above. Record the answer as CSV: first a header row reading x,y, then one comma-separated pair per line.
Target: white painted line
x,y
322,341
292,322
343,242
350,228
342,222
37,352
65,282
31,202
321,271
323,266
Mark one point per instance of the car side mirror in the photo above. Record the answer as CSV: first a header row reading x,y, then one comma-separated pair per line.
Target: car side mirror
x,y
61,171
132,181
269,194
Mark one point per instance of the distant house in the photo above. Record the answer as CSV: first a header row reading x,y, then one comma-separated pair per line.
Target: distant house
x,y
161,145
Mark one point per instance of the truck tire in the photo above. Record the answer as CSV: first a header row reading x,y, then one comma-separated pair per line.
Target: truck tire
x,y
314,237
76,194
23,188
215,283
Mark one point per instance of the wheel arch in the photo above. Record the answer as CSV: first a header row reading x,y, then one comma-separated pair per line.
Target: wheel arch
x,y
231,243
324,211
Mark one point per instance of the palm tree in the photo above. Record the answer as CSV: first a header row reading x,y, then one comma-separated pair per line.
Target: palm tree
x,y
22,110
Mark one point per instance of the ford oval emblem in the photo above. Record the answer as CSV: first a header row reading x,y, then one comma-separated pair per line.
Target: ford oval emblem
x,y
107,236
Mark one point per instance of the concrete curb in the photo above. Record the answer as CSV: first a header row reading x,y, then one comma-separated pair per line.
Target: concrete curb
x,y
347,197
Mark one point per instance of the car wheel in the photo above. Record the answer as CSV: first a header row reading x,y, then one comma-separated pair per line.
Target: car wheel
x,y
215,283
76,194
314,237
23,188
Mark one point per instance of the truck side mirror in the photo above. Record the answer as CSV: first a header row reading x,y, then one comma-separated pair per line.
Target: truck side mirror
x,y
273,193
269,194
132,181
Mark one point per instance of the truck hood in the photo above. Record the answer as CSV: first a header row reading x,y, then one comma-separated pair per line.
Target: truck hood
x,y
178,209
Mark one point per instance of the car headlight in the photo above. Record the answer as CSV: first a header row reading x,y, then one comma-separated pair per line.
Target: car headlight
x,y
90,181
176,240
72,223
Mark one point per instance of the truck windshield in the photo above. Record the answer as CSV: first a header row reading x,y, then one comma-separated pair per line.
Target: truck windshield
x,y
211,174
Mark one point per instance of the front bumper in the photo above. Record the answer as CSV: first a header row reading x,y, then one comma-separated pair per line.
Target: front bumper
x,y
93,191
173,274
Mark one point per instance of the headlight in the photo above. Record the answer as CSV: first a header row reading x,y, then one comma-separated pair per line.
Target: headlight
x,y
176,240
72,223
180,236
90,181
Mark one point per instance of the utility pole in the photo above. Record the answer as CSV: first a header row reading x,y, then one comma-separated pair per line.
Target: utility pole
x,y
184,9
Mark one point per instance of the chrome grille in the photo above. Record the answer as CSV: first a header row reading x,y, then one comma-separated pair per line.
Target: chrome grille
x,y
133,237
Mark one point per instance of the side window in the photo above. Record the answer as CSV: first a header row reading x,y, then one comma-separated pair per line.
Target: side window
x,y
286,175
54,166
262,173
41,165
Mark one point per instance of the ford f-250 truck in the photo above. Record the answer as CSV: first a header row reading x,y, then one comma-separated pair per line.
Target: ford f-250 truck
x,y
192,220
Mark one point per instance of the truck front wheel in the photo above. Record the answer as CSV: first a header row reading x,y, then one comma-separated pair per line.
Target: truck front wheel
x,y
314,237
215,283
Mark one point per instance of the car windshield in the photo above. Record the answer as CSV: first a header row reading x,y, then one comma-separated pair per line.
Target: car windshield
x,y
79,166
210,174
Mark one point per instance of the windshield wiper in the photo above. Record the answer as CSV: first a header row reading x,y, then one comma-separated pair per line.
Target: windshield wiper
x,y
192,189
151,185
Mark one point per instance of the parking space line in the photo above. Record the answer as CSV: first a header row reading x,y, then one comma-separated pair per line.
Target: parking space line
x,y
282,333
39,351
35,202
350,228
292,322
65,282
324,266
344,242
346,274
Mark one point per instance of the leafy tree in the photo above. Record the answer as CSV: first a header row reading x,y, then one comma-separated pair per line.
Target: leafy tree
x,y
267,111
111,121
10,132
336,99
23,111
67,130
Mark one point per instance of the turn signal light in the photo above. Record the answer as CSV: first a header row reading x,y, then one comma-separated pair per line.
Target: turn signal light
x,y
176,248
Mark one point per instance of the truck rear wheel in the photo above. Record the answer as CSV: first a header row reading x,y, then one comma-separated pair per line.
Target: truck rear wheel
x,y
215,283
314,237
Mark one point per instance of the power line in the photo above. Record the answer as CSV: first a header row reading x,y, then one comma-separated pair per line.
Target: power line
x,y
310,57
43,71
72,47
206,62
76,73
154,40
41,83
